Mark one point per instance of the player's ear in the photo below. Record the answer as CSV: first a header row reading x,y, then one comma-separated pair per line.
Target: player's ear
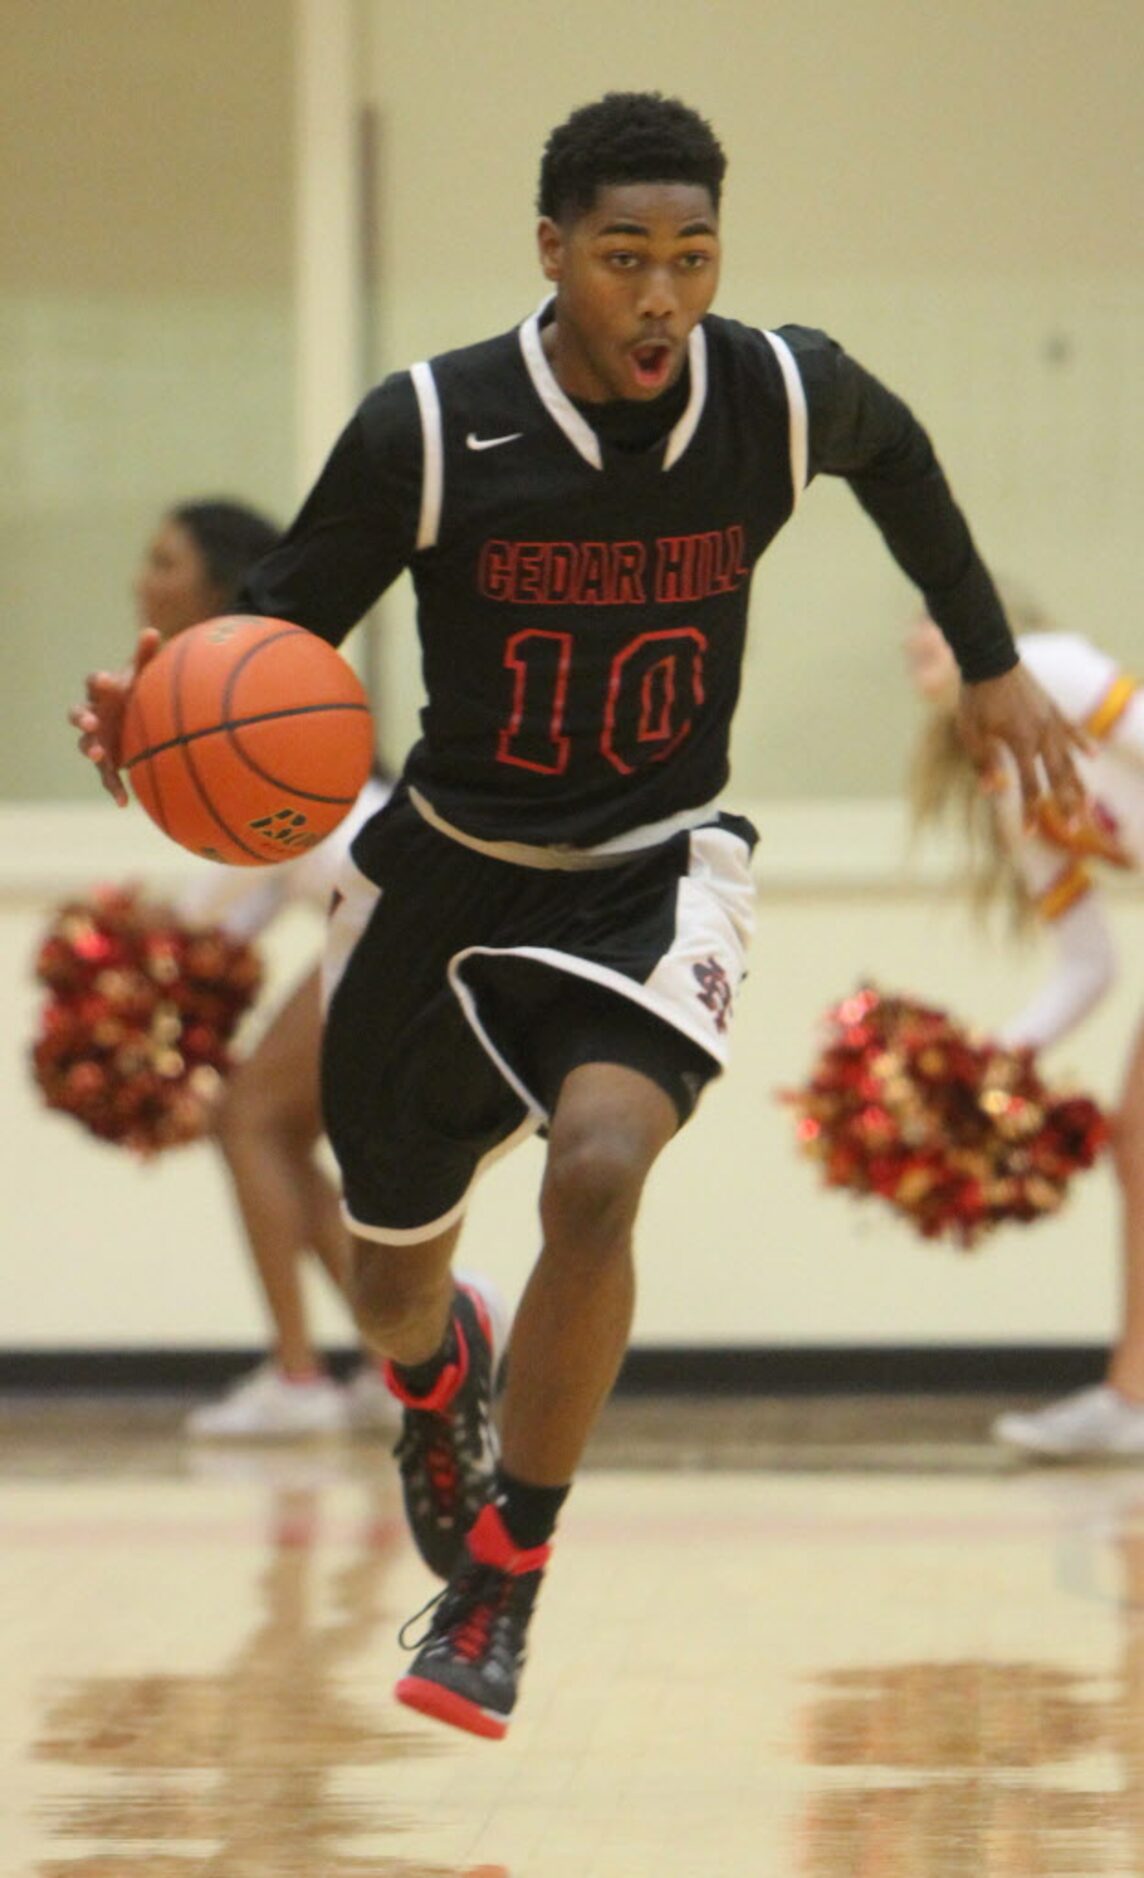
x,y
550,242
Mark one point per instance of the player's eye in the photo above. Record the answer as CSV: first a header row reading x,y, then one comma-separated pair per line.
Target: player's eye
x,y
622,258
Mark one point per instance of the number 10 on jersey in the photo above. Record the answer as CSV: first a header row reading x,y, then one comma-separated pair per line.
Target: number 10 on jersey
x,y
654,688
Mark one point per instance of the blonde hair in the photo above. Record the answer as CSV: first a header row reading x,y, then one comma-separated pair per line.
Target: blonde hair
x,y
944,788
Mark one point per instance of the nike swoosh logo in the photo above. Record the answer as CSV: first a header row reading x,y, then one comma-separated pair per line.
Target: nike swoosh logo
x,y
490,443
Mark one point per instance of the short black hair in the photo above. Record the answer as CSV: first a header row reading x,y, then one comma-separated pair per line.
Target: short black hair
x,y
627,137
229,535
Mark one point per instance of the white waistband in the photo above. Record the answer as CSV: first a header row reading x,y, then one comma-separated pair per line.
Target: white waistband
x,y
560,855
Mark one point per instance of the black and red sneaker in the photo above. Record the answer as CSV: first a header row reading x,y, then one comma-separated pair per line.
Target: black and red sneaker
x,y
448,1446
467,1668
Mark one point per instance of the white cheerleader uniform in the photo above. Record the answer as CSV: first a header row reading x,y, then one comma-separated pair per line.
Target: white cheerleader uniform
x,y
1057,864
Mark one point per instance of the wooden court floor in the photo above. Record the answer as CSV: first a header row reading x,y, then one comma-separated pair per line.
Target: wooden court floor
x,y
871,1658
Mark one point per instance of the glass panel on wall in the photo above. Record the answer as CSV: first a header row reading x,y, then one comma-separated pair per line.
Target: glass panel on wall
x,y
146,347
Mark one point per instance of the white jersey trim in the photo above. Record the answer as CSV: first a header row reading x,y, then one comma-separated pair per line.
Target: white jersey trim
x,y
433,464
572,422
563,857
796,405
714,921
588,973
688,424
413,1235
556,402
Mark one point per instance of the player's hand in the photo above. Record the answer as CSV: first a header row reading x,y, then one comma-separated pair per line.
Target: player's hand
x,y
1015,711
99,719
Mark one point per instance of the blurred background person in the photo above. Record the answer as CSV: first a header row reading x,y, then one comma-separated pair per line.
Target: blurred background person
x,y
1051,874
267,1125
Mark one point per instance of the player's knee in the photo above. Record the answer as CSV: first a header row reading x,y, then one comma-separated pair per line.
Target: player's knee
x,y
385,1293
592,1184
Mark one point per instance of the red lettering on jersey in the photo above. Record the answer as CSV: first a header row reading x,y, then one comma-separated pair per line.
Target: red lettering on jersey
x,y
629,560
530,571
544,658
593,588
654,688
494,571
692,567
688,568
657,701
563,573
672,573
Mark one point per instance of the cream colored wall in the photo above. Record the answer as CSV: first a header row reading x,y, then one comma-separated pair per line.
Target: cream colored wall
x,y
146,308
953,191
738,1244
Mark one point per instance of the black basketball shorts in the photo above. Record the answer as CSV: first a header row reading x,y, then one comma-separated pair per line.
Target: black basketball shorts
x,y
460,989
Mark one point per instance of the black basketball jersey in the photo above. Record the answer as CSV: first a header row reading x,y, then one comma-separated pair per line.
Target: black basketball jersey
x,y
582,607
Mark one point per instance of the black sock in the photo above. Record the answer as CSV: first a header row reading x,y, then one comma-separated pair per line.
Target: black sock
x,y
420,1378
529,1513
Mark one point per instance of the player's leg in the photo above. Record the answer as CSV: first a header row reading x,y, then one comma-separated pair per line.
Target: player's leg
x,y
442,1339
616,1060
571,1330
402,1295
413,1105
572,1323
267,1128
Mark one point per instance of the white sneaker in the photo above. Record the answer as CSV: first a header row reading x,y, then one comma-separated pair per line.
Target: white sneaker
x,y
1093,1421
265,1406
369,1406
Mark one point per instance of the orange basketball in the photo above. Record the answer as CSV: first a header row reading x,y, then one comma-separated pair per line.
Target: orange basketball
x,y
247,739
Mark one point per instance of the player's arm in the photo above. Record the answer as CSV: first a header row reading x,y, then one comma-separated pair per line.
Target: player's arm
x,y
860,430
355,532
357,529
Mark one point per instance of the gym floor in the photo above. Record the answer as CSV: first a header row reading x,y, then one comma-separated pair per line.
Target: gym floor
x,y
791,1639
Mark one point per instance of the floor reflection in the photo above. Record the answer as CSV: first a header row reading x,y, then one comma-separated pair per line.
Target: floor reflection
x,y
747,1676
1029,1770
235,1773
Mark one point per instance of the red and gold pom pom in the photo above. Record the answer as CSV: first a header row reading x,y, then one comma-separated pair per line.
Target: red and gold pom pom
x,y
134,1032
952,1130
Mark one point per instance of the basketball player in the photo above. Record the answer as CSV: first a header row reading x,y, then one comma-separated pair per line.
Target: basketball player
x,y
547,925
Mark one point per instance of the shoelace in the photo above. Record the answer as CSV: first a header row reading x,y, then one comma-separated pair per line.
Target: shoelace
x,y
465,1612
431,1446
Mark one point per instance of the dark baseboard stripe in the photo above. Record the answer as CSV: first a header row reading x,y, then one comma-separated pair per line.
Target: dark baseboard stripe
x,y
759,1370
864,1369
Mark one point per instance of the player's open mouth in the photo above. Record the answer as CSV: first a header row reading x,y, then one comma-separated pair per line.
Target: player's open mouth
x,y
651,364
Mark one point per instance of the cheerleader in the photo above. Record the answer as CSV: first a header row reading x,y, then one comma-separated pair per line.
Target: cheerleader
x,y
1052,873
